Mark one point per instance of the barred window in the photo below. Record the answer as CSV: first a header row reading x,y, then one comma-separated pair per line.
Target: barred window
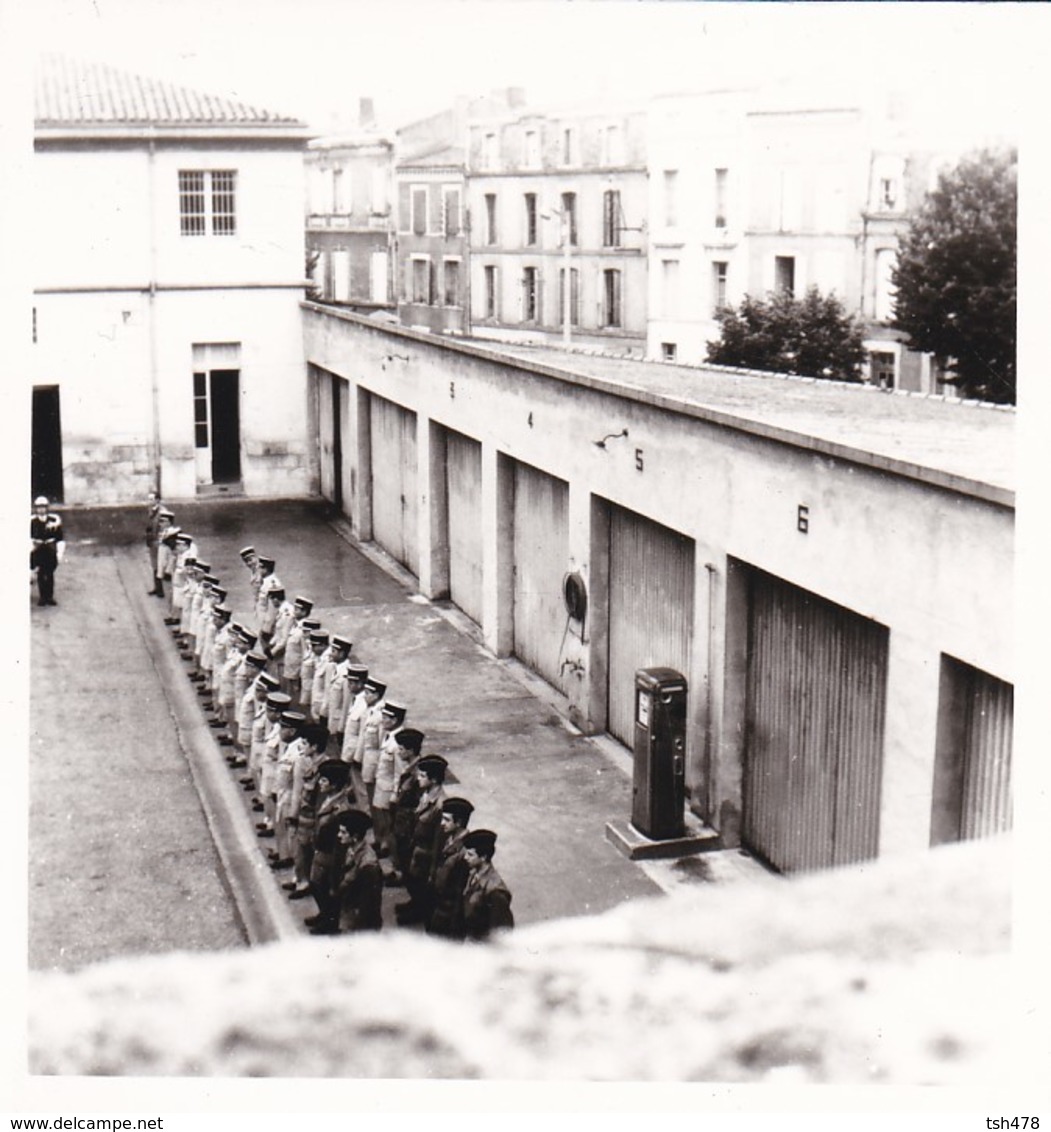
x,y
191,203
208,202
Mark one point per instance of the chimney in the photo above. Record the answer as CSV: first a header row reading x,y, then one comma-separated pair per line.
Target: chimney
x,y
516,97
366,114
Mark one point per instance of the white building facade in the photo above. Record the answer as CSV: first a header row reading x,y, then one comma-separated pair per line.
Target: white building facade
x,y
167,339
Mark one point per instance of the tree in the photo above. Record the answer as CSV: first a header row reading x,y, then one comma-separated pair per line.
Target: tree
x,y
956,275
813,336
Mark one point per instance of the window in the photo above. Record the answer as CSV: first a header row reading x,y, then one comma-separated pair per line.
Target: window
x,y
530,219
338,203
492,306
379,191
207,202
451,210
490,218
200,410
530,295
884,297
790,215
611,296
569,218
611,219
569,146
531,150
612,146
670,287
421,280
489,151
881,369
719,273
451,279
34,325
574,297
668,351
419,210
785,274
671,181
721,176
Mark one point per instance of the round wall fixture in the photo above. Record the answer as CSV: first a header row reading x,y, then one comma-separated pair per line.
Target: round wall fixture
x,y
575,595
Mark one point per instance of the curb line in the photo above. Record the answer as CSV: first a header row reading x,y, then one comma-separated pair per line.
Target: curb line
x,y
263,913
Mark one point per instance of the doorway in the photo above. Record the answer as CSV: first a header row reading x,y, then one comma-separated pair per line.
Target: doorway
x,y
217,413
46,474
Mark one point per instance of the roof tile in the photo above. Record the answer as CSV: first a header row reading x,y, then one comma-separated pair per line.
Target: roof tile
x,y
74,92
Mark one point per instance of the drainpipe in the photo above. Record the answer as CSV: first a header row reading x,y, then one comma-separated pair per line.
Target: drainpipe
x,y
152,302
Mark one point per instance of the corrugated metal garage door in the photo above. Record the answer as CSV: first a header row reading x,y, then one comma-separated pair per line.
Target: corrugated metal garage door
x,y
988,733
463,469
816,692
541,548
394,506
650,609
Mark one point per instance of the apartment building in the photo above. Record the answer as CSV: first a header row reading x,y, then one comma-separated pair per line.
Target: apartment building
x,y
557,205
349,222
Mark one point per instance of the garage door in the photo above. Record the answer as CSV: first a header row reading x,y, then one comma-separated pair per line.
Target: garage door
x,y
541,548
650,609
816,691
394,490
463,469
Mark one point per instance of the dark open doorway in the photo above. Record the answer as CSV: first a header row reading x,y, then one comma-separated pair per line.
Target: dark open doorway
x,y
337,443
226,425
46,472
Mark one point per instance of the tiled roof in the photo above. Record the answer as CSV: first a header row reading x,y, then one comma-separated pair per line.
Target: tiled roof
x,y
74,93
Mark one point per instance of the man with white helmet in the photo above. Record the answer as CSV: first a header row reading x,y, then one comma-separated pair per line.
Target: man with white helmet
x,y
48,548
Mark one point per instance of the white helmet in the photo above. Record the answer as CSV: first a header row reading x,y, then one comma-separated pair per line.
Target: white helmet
x,y
41,501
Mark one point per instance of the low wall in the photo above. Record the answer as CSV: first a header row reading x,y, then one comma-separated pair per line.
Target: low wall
x,y
895,973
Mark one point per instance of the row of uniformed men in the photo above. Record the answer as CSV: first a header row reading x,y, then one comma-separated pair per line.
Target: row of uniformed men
x,y
314,806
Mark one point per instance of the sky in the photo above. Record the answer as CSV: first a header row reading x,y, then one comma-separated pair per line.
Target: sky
x,y
977,63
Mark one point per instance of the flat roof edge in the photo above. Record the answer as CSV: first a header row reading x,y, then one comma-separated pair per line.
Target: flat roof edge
x,y
935,477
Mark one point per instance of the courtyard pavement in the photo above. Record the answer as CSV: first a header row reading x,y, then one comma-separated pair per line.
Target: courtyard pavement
x,y
140,839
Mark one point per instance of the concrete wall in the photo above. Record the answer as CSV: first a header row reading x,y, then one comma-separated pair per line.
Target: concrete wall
x,y
932,565
122,297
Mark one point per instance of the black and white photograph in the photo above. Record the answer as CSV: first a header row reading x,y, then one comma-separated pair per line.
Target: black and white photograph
x,y
524,611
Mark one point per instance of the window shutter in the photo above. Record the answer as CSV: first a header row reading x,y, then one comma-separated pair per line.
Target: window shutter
x,y
434,217
404,208
431,287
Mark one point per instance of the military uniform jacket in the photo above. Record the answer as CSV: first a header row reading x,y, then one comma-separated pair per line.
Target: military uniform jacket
x,y
220,651
208,644
450,879
228,677
274,749
320,682
406,799
303,795
389,769
293,651
486,902
165,560
284,772
427,834
359,708
326,868
46,534
286,617
338,697
361,890
246,715
306,672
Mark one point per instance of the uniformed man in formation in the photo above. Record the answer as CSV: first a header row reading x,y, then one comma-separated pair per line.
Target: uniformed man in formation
x,y
346,798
